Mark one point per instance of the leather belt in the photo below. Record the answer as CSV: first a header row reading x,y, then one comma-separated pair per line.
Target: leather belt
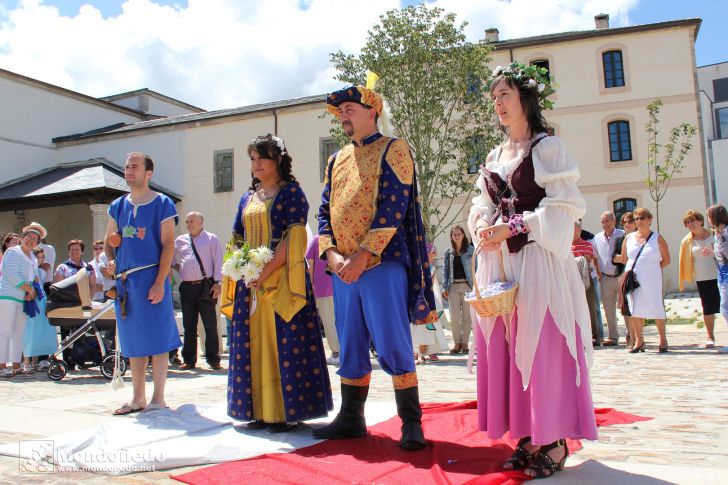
x,y
195,282
610,275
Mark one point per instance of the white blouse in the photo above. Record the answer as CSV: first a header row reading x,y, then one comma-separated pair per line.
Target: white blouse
x,y
545,270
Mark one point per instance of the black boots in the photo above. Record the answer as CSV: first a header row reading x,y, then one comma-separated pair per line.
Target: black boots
x,y
350,422
409,411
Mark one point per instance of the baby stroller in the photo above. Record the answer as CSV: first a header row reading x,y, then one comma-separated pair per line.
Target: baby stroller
x,y
69,305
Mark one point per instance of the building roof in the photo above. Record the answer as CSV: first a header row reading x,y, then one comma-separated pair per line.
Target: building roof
x,y
79,182
713,64
199,117
149,92
71,94
585,34
184,120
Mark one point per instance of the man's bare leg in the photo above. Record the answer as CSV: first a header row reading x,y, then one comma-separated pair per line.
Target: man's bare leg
x,y
160,362
138,380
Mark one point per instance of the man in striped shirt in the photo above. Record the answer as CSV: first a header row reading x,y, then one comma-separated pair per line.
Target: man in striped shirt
x,y
194,303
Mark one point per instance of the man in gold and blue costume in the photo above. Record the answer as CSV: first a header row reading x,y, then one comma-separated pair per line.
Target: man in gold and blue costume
x,y
372,236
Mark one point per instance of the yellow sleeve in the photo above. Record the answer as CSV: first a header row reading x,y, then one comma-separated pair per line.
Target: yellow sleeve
x,y
285,289
227,297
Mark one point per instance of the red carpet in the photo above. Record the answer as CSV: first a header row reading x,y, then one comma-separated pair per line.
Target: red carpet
x,y
457,454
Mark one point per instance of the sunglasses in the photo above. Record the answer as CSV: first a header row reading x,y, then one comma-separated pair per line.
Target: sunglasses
x,y
98,248
628,221
641,218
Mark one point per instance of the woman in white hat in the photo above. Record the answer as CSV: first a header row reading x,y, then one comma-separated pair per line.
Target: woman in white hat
x,y
19,272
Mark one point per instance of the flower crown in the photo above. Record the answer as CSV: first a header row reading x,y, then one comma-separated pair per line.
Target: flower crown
x,y
529,77
279,144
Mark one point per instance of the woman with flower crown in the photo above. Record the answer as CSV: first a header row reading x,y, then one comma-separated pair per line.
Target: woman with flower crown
x,y
277,375
533,376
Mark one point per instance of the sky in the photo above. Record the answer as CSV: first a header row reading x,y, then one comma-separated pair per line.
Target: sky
x,y
226,53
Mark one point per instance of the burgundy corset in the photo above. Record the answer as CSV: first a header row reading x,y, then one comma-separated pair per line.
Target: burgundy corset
x,y
526,196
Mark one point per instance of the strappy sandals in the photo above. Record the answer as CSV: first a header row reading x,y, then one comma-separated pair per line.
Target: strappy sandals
x,y
520,457
542,465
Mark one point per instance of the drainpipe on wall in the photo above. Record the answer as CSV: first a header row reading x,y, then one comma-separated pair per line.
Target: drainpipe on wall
x,y
275,122
708,144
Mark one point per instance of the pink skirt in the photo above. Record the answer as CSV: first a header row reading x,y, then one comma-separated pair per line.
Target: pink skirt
x,y
552,407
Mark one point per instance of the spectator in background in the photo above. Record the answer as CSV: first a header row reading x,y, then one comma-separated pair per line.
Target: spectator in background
x,y
582,248
50,262
604,245
40,338
74,263
696,263
198,257
430,339
68,268
646,301
98,263
19,269
718,220
628,227
456,283
49,253
589,237
9,240
323,291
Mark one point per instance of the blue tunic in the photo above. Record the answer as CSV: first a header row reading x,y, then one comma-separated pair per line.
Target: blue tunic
x,y
147,329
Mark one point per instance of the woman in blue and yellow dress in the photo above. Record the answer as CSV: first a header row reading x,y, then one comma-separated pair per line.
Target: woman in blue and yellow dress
x,y
277,375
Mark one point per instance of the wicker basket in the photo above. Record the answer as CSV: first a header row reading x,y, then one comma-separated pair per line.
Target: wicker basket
x,y
493,305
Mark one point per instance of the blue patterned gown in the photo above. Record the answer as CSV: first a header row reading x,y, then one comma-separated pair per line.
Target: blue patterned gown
x,y
277,367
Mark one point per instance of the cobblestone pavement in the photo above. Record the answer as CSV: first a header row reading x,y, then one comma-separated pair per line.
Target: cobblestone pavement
x,y
683,390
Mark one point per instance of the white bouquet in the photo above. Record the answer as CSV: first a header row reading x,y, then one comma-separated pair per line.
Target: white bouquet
x,y
246,264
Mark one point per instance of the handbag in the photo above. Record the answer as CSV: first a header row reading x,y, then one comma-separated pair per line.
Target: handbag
x,y
630,283
207,282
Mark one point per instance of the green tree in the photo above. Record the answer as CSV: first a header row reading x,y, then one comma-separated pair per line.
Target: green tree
x,y
435,83
661,169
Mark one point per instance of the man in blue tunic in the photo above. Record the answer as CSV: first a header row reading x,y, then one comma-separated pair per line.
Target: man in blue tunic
x,y
372,236
143,221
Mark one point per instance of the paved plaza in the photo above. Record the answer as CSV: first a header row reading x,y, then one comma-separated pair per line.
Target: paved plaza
x,y
683,390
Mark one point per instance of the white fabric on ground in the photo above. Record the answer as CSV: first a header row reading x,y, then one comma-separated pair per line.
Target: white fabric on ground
x,y
186,436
